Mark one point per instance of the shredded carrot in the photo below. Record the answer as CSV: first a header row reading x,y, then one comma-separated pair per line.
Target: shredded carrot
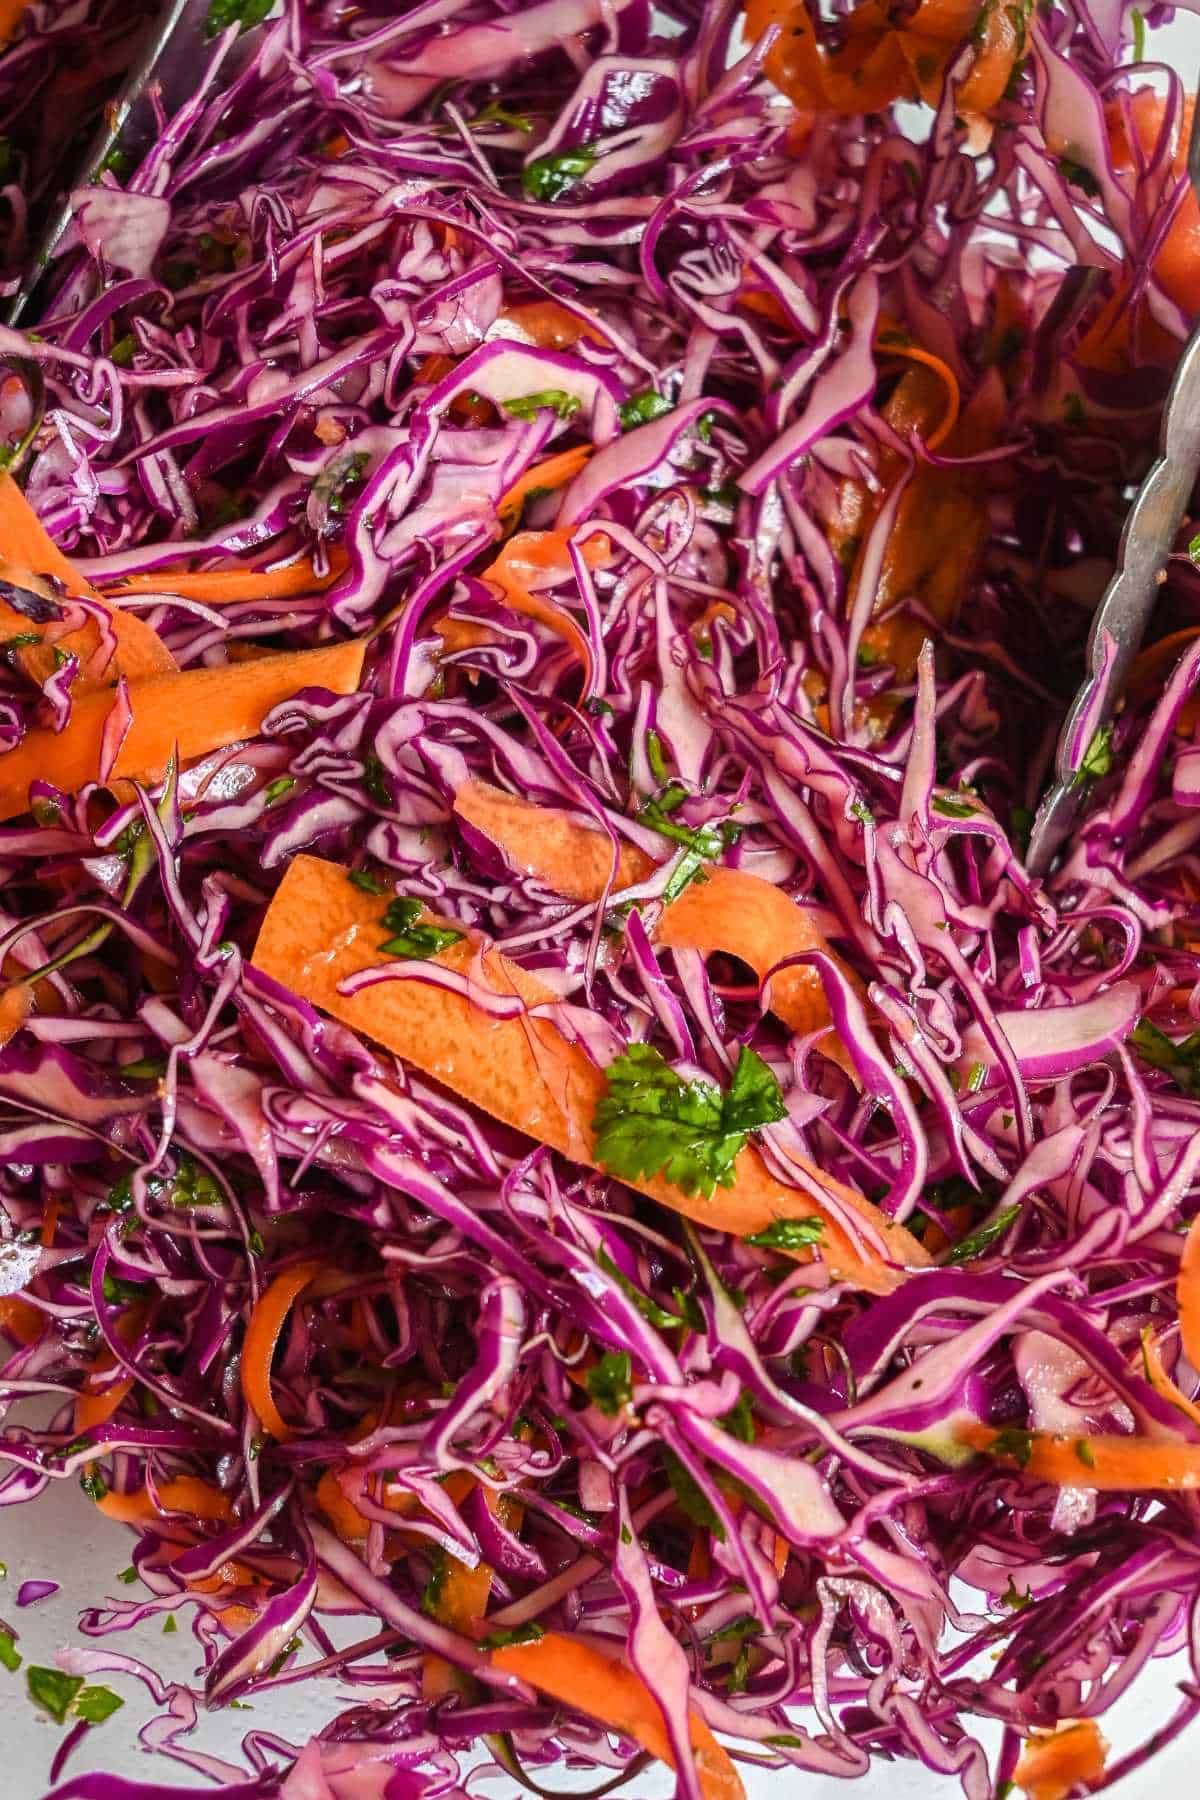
x,y
752,919
1109,1463
182,1494
531,558
28,555
551,473
462,1597
550,326
16,1004
192,713
590,1681
549,844
342,1514
891,340
50,1221
320,929
20,1321
1053,1765
11,14
96,1409
1176,265
940,528
732,911
1188,1293
877,63
263,1330
1162,1383
231,586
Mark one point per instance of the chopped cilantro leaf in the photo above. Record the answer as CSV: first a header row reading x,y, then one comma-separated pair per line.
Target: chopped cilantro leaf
x,y
414,942
968,1248
610,1382
557,400
788,1234
641,408
650,1121
550,177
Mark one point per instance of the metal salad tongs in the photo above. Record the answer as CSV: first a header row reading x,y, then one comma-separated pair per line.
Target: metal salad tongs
x,y
168,66
1128,601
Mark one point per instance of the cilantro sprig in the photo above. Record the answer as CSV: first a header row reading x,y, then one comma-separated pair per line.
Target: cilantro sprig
x,y
650,1121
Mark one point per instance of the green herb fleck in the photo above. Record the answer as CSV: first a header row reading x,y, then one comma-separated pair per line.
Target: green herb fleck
x,y
690,1309
124,351
1014,1598
519,1634
340,473
649,1309
1085,1453
275,790
610,1382
656,757
242,13
1180,1061
495,114
788,1234
739,1420
968,1248
951,808
783,1740
1139,34
650,1121
550,177
1097,758
693,1501
145,1068
128,1576
92,1482
642,408
556,400
119,1292
412,942
366,882
375,781
744,1626
169,1625
10,1656
1014,1443
431,1598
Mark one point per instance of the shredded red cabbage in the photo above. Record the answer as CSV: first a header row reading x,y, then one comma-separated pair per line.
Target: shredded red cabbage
x,y
806,384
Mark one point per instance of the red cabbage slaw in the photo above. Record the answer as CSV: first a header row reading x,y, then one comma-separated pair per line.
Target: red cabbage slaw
x,y
817,387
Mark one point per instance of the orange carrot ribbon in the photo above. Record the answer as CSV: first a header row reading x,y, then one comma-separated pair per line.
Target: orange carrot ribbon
x,y
321,929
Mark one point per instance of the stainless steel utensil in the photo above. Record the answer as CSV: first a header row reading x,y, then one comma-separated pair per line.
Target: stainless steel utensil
x,y
1124,611
169,63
